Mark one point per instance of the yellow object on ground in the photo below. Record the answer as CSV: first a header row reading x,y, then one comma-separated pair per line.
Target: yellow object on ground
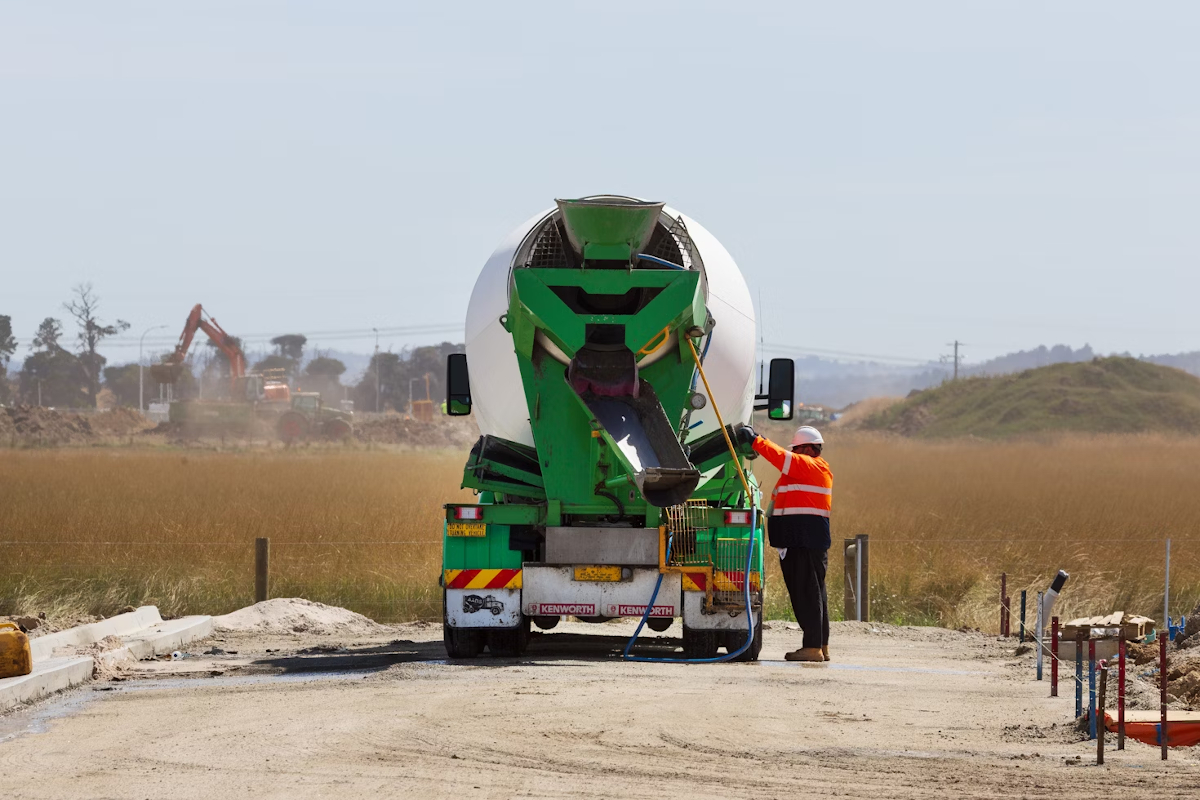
x,y
15,658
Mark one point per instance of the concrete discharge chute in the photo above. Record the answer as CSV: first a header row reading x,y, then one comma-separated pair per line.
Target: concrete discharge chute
x,y
583,339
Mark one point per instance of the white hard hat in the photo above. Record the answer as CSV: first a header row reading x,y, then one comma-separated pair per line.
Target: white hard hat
x,y
807,435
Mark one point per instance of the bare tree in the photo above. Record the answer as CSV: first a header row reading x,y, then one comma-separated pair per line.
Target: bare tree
x,y
92,331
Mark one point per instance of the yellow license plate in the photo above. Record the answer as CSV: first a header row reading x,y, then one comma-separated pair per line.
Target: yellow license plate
x,y
610,574
466,529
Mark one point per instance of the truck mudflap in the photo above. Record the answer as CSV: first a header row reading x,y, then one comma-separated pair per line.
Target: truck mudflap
x,y
556,591
719,620
483,608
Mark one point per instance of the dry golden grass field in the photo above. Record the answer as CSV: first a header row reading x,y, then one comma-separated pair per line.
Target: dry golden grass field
x,y
92,530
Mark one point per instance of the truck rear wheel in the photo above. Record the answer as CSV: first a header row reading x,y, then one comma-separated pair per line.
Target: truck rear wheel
x,y
698,643
735,639
460,642
509,642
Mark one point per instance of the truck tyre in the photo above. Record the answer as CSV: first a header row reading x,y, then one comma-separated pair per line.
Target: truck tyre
x,y
509,642
735,639
460,642
338,430
659,624
292,427
698,643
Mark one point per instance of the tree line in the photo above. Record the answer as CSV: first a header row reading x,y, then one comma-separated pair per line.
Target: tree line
x,y
68,372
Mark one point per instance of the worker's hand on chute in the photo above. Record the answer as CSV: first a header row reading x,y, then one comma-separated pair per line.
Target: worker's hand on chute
x,y
744,434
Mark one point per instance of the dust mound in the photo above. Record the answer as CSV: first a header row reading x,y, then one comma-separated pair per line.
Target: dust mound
x,y
285,615
39,425
443,432
1104,395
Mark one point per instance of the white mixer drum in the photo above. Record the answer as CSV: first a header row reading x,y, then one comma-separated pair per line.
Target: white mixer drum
x,y
497,392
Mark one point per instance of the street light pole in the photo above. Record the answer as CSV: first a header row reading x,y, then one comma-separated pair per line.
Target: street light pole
x,y
376,369
141,376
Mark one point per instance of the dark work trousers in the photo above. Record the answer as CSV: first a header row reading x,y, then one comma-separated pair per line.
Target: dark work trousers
x,y
804,573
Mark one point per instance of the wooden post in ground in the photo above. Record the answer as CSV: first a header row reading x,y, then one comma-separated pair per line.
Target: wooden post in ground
x,y
1162,681
1100,713
262,567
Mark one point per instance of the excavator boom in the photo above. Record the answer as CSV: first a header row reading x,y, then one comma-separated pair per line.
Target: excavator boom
x,y
198,319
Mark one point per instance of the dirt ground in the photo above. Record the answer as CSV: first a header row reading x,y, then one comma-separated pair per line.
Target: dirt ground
x,y
898,713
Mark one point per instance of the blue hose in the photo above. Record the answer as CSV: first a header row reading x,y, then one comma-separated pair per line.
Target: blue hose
x,y
660,261
749,612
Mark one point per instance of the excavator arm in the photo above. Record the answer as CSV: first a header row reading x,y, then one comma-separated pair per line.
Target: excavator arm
x,y
198,319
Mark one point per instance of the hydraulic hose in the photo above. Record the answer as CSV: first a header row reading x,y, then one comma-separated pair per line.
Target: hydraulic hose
x,y
749,553
660,261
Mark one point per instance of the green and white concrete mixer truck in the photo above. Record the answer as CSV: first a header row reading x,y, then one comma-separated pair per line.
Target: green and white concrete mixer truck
x,y
609,360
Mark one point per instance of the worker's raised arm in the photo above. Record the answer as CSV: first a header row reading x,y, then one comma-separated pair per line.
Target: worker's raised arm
x,y
794,465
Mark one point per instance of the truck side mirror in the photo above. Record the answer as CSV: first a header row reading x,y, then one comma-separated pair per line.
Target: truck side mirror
x,y
781,390
458,386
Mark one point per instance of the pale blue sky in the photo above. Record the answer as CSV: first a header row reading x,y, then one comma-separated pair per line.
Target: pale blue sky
x,y
890,176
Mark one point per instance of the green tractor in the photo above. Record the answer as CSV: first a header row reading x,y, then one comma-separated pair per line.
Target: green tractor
x,y
309,418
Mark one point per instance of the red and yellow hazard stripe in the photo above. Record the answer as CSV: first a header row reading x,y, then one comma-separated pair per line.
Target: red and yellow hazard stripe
x,y
695,581
734,581
482,579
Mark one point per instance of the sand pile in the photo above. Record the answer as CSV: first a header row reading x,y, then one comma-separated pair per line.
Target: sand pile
x,y
285,615
443,432
35,424
38,425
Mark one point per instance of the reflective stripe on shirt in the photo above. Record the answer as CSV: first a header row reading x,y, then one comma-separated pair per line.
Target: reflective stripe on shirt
x,y
800,487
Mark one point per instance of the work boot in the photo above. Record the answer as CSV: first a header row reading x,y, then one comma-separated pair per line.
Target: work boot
x,y
825,651
805,654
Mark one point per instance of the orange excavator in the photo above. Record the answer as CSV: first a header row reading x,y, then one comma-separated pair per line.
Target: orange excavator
x,y
252,388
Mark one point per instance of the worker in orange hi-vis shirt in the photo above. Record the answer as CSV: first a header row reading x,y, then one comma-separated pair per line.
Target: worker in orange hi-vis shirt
x,y
798,526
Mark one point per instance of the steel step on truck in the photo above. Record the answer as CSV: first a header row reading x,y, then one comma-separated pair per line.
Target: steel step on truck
x,y
610,344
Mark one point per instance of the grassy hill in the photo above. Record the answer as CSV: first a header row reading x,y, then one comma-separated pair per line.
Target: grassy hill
x,y
1099,396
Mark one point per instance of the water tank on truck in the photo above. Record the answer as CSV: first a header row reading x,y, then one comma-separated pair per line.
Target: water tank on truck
x,y
603,470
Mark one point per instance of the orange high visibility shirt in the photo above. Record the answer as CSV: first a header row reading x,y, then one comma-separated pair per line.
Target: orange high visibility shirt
x,y
805,485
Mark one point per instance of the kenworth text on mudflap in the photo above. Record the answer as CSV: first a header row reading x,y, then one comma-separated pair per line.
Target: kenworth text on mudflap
x,y
611,345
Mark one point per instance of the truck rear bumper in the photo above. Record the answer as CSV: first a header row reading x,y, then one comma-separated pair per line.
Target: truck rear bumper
x,y
553,591
483,608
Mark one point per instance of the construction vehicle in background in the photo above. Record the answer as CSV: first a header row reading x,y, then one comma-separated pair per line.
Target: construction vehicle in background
x,y
256,399
610,342
310,418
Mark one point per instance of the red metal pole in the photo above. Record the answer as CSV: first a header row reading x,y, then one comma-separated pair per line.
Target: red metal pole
x,y
1054,656
1004,604
1121,691
1162,680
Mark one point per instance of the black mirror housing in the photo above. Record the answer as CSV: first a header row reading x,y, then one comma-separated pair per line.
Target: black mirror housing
x,y
781,389
458,386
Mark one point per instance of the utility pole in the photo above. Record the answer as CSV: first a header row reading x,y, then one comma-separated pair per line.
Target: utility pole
x,y
141,370
955,344
376,369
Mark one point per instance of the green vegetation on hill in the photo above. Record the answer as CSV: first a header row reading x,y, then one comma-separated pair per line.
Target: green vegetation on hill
x,y
1100,396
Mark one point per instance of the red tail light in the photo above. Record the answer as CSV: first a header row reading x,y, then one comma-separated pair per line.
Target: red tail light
x,y
737,517
468,512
